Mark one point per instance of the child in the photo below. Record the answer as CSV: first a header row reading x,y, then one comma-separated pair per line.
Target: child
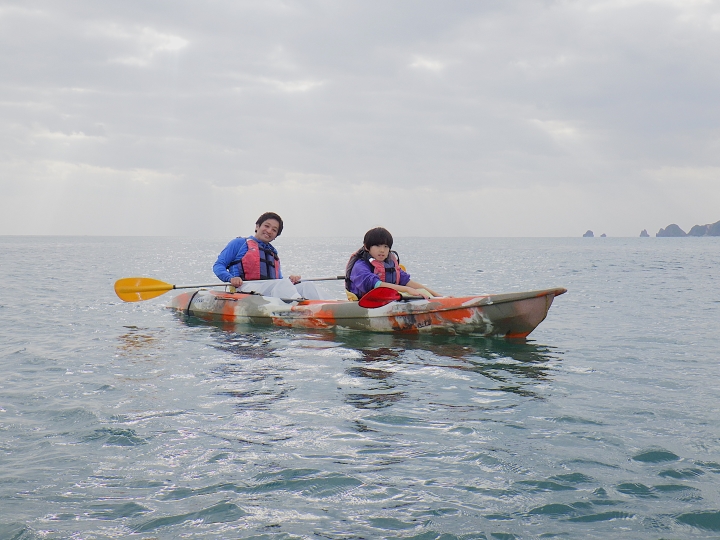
x,y
374,265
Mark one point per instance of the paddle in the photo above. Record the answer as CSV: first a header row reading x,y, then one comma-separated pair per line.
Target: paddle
x,y
382,296
135,289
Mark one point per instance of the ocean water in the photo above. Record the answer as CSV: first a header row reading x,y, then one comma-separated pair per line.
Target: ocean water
x,y
124,419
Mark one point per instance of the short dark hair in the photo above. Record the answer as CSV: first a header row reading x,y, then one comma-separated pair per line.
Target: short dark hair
x,y
377,237
270,215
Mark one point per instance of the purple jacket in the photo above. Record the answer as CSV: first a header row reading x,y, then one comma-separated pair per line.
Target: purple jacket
x,y
363,279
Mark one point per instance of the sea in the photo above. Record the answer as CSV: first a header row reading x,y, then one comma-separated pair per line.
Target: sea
x,y
130,420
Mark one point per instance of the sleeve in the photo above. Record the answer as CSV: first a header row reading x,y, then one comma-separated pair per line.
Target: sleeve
x,y
236,248
404,277
363,279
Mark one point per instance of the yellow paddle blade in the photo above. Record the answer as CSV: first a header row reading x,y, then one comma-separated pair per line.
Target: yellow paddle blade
x,y
134,289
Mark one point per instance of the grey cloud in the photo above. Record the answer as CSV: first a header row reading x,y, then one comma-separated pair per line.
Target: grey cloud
x,y
460,95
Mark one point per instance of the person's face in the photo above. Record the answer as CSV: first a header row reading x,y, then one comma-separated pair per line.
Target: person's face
x,y
267,230
380,252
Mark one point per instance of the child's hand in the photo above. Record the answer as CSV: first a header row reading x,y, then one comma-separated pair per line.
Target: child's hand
x,y
419,292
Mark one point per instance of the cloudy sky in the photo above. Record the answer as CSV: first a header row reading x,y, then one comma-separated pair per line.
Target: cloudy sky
x,y
432,118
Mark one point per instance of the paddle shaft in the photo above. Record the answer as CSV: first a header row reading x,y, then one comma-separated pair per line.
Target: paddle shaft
x,y
143,288
169,287
331,278
137,289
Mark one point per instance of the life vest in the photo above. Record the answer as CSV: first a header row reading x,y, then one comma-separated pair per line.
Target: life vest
x,y
388,270
258,263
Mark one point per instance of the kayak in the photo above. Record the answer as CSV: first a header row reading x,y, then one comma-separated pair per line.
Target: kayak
x,y
510,315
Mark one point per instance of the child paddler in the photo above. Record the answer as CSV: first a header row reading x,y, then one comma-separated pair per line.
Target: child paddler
x,y
376,265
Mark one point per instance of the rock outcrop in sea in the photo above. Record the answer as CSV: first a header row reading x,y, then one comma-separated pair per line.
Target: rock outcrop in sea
x,y
711,229
589,234
644,234
671,231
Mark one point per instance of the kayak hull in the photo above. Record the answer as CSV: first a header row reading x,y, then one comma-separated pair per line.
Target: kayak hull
x,y
511,315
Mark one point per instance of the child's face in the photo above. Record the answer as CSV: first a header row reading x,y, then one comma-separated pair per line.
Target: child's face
x,y
380,252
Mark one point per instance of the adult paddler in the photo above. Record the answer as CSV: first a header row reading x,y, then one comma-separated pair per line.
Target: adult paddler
x,y
252,264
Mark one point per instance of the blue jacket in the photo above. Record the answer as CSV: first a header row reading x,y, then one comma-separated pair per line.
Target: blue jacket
x,y
234,251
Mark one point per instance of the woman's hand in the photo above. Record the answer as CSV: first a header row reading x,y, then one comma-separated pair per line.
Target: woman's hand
x,y
236,282
295,279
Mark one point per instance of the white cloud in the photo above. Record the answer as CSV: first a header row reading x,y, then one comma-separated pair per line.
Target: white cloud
x,y
65,137
429,64
542,63
14,10
290,86
146,43
557,129
60,197
714,22
695,175
683,5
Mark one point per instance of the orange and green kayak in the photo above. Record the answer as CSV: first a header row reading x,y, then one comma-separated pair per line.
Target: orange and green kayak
x,y
511,315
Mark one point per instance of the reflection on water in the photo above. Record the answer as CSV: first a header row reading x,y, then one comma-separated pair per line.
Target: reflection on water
x,y
261,362
377,400
377,374
251,378
244,345
511,364
454,347
137,341
254,340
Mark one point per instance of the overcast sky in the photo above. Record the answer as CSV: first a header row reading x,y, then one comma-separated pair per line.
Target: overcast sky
x,y
442,118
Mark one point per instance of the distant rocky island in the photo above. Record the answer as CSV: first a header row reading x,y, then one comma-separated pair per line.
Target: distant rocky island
x,y
674,231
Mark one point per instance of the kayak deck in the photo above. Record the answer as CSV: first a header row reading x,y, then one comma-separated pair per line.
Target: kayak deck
x,y
511,315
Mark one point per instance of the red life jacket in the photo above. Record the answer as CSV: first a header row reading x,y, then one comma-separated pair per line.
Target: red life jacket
x,y
258,263
388,271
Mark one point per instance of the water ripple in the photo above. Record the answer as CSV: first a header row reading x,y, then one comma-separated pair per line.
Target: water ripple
x,y
124,419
